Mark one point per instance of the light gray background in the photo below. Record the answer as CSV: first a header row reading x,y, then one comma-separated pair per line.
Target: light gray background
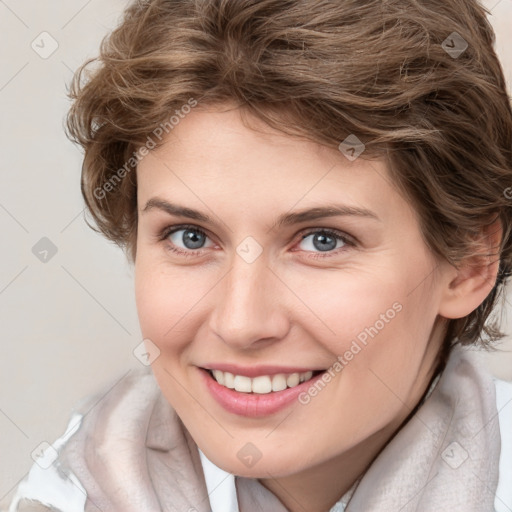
x,y
69,325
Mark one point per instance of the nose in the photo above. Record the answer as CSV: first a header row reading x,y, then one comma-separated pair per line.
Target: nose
x,y
249,310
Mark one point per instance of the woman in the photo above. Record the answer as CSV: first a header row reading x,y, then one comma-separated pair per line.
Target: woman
x,y
314,197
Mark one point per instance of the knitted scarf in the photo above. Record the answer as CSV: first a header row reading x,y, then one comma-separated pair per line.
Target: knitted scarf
x,y
130,452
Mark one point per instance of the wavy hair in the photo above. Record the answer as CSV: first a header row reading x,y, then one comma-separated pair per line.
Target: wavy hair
x,y
418,81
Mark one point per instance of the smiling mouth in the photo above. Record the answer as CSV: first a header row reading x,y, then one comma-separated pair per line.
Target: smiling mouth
x,y
262,384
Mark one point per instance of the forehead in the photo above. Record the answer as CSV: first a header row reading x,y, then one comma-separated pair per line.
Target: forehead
x,y
212,157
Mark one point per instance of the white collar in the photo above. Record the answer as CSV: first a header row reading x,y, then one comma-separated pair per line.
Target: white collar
x,y
220,485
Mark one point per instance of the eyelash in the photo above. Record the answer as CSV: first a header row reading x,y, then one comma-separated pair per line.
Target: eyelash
x,y
339,235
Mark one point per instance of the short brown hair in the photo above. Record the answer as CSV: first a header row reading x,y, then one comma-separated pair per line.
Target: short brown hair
x,y
417,81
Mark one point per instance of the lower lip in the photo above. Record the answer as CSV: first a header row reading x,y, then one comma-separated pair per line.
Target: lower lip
x,y
254,405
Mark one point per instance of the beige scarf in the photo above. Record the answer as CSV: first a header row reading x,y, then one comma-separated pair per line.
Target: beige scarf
x,y
133,454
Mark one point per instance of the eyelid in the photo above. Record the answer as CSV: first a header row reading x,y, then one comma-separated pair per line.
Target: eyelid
x,y
349,242
163,235
169,229
347,239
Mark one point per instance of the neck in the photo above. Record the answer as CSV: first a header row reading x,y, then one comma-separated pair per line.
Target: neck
x,y
318,488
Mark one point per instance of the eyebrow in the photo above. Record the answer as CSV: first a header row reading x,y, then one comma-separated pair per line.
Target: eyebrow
x,y
174,209
286,219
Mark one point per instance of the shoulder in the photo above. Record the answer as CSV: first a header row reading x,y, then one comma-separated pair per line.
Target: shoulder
x,y
503,502
52,484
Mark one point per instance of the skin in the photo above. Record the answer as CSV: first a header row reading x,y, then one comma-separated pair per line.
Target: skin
x,y
288,307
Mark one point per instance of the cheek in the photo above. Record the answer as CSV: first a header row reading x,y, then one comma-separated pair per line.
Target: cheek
x,y
383,358
376,325
346,306
164,298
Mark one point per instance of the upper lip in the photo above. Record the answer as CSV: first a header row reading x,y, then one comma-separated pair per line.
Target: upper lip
x,y
256,371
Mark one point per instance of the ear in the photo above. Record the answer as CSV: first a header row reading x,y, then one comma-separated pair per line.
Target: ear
x,y
471,282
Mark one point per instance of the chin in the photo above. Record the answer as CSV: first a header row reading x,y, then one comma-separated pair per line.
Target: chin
x,y
250,462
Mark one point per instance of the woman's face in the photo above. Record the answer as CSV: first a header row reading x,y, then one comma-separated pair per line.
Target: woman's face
x,y
264,256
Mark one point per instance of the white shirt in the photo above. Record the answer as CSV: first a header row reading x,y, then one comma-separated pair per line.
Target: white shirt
x,y
48,487
222,490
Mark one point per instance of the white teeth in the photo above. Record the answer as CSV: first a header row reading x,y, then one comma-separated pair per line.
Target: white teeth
x,y
292,380
306,376
219,376
229,380
263,384
242,384
279,382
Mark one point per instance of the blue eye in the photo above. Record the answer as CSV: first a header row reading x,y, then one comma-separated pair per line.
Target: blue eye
x,y
190,240
186,238
323,241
